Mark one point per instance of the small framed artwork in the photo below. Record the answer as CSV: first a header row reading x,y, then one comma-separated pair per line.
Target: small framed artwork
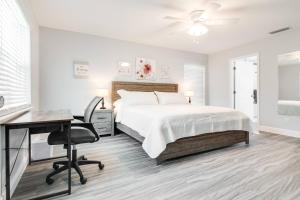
x,y
124,69
145,69
81,70
164,72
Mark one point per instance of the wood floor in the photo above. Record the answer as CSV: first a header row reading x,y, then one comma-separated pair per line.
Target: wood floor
x,y
267,169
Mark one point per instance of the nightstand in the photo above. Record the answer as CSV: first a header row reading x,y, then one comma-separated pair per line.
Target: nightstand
x,y
103,121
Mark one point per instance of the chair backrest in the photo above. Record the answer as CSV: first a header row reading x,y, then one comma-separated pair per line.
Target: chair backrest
x,y
88,112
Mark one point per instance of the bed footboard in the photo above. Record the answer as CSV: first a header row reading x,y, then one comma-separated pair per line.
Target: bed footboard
x,y
201,143
192,145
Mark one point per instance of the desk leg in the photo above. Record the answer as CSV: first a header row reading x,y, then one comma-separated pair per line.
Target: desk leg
x,y
29,146
7,164
68,131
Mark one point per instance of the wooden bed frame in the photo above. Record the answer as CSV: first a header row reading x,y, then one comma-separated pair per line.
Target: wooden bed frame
x,y
183,146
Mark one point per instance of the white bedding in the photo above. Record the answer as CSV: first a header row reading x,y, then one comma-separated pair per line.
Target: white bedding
x,y
163,124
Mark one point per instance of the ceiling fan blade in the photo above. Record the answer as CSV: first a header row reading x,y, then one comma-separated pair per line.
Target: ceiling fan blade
x,y
166,31
210,9
215,22
173,7
174,27
166,5
175,18
213,6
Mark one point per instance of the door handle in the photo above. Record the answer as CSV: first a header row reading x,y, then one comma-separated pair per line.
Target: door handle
x,y
254,96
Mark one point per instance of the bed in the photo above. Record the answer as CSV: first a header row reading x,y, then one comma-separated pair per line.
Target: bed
x,y
187,144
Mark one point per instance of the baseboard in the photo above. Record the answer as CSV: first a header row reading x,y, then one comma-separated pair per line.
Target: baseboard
x,y
280,131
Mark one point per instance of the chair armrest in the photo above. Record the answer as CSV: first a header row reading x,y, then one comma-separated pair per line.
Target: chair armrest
x,y
87,126
79,117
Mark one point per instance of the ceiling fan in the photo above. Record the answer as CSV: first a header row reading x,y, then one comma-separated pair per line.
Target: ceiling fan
x,y
197,21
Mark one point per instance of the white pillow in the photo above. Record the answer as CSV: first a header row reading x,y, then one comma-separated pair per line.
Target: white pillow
x,y
137,98
170,98
117,105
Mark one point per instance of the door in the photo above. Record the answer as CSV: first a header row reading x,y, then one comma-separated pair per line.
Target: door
x,y
245,72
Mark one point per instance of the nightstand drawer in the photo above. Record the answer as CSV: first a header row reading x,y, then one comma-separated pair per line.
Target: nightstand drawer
x,y
101,117
103,130
104,133
102,125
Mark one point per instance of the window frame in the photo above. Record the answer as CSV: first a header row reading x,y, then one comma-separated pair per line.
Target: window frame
x,y
21,20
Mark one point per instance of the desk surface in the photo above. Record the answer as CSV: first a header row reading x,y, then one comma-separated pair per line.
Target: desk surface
x,y
33,117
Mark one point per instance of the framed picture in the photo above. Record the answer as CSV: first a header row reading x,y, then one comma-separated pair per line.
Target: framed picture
x,y
164,72
81,70
124,69
145,69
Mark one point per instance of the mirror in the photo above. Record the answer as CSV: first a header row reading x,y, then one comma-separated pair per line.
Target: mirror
x,y
289,84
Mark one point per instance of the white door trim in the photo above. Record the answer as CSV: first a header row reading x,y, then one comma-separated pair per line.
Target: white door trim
x,y
258,78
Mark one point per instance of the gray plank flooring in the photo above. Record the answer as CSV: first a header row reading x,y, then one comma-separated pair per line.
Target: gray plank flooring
x,y
269,168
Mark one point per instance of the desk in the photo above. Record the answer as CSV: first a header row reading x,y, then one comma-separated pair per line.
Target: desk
x,y
39,122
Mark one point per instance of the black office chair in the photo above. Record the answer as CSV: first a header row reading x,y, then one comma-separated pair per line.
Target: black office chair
x,y
82,131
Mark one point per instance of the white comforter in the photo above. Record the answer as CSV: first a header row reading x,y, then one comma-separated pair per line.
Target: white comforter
x,y
163,124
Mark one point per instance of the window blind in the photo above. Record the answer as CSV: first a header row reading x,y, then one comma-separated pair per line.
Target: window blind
x,y
194,79
14,58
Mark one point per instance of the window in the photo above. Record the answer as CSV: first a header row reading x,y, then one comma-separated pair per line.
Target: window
x,y
194,80
14,58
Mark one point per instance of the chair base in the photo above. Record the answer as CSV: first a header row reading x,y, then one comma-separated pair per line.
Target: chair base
x,y
75,163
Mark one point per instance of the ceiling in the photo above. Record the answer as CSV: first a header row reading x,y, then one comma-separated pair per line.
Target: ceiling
x,y
142,21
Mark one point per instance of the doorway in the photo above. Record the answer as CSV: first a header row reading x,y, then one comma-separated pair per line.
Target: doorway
x,y
245,86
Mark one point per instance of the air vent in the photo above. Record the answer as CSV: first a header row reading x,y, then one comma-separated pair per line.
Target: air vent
x,y
280,30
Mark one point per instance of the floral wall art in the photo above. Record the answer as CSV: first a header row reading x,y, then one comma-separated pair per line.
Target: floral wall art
x,y
145,69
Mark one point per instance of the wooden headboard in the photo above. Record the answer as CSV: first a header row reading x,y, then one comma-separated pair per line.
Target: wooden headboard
x,y
142,87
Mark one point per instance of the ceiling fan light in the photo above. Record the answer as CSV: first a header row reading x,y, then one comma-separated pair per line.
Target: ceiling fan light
x,y
197,30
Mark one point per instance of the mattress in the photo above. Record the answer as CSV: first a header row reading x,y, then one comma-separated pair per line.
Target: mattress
x,y
163,124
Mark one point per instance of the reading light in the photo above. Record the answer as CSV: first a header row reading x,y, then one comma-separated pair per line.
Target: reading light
x,y
197,29
189,94
102,93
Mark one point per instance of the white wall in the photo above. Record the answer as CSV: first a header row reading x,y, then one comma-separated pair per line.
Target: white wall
x,y
22,162
59,49
268,49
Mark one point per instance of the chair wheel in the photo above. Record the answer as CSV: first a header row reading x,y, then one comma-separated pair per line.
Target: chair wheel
x,y
49,181
83,181
82,158
55,167
101,166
